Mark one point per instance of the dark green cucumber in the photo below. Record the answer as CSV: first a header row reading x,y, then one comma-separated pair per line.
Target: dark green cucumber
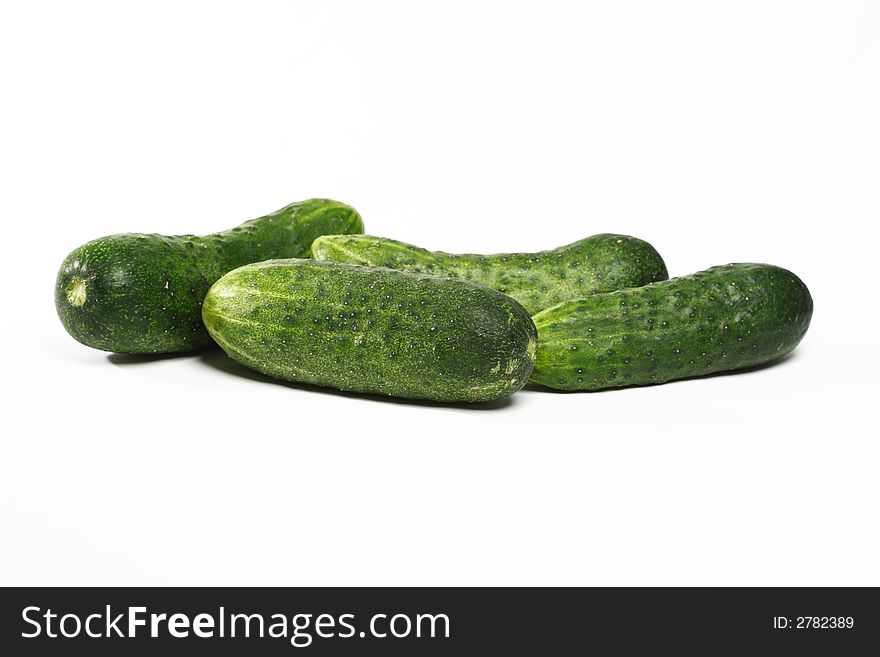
x,y
136,293
372,330
724,318
601,263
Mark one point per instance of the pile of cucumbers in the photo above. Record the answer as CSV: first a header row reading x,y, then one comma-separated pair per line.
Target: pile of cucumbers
x,y
303,295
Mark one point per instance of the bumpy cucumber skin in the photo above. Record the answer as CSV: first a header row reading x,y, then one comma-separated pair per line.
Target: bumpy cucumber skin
x,y
600,263
724,318
142,294
372,330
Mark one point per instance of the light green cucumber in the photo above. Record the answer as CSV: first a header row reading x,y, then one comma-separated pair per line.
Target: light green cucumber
x,y
601,263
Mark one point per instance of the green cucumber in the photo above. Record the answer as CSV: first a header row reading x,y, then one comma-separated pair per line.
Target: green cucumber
x,y
139,294
724,318
372,330
601,263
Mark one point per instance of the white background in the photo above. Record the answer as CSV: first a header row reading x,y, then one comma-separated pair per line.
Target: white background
x,y
746,131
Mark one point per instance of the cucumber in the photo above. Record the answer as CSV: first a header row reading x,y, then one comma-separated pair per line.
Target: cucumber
x,y
724,318
601,263
138,294
372,330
